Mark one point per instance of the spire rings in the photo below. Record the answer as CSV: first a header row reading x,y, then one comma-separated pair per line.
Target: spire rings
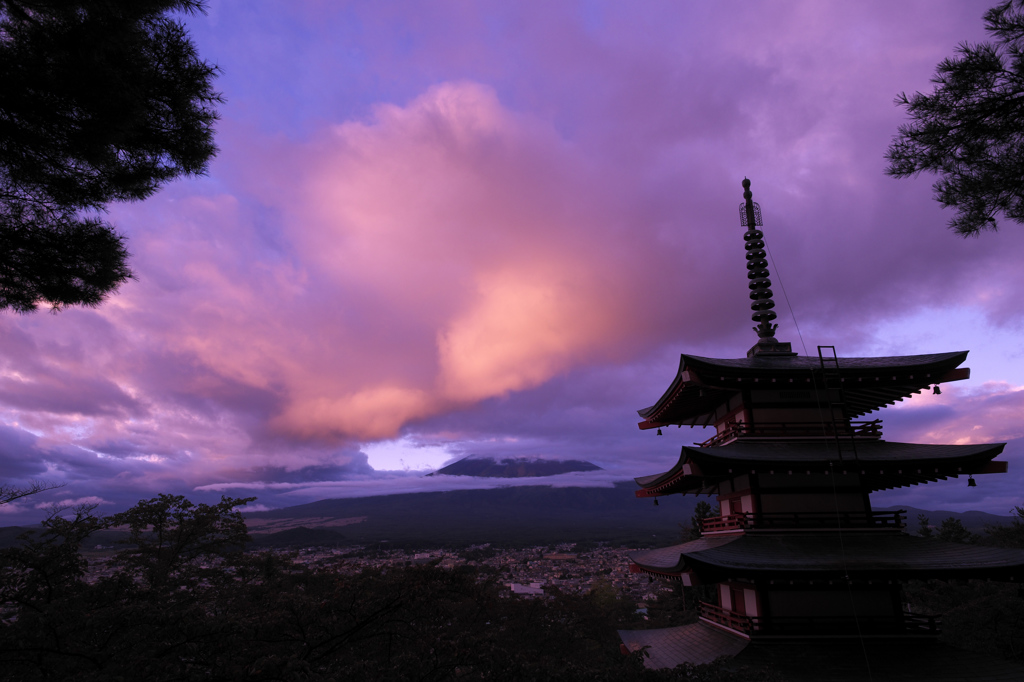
x,y
760,283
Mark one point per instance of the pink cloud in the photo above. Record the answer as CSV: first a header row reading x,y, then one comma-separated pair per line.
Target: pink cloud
x,y
991,412
477,233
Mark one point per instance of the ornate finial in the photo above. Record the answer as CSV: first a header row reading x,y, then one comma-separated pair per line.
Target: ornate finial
x,y
761,302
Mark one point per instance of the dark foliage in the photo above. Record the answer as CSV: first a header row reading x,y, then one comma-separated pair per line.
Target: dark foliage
x,y
952,530
923,527
1007,536
100,101
702,510
46,568
173,540
680,606
970,130
985,617
215,613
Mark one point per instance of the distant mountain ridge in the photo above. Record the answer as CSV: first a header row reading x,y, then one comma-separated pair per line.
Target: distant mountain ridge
x,y
513,467
523,515
974,521
511,515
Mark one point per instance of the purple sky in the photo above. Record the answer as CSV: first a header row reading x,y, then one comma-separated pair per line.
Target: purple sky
x,y
450,228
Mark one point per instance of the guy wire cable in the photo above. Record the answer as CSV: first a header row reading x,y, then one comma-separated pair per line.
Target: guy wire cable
x,y
835,494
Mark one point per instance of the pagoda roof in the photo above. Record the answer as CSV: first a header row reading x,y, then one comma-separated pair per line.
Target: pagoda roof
x,y
831,555
669,559
702,384
882,464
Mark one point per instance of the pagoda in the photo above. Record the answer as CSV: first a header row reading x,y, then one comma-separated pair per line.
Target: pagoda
x,y
797,557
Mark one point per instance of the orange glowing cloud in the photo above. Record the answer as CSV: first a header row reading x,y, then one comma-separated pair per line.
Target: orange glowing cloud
x,y
524,327
471,230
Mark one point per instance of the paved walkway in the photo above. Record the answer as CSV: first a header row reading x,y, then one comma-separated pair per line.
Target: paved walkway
x,y
696,643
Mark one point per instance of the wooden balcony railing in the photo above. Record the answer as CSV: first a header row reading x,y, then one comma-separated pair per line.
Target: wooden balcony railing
x,y
802,520
904,624
855,429
730,619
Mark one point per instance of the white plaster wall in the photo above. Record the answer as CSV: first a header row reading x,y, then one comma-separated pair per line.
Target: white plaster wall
x,y
724,598
750,601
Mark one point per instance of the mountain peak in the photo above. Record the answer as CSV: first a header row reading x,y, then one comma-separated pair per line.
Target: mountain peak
x,y
513,467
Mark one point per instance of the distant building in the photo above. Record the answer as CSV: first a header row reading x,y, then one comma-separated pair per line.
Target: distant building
x,y
533,589
800,562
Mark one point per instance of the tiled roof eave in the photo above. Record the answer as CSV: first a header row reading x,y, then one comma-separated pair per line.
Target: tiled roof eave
x,y
883,464
657,572
796,365
825,555
859,555
862,454
710,380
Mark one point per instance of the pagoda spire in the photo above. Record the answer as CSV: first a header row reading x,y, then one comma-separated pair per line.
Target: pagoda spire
x,y
761,302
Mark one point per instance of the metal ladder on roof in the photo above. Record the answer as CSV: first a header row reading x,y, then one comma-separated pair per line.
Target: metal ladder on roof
x,y
833,384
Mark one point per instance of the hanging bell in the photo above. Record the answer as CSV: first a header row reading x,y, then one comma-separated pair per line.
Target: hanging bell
x,y
659,432
655,501
936,390
971,483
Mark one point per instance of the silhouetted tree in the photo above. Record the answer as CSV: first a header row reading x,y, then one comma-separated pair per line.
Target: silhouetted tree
x,y
171,537
701,511
47,566
923,527
952,530
1007,536
100,101
10,493
970,130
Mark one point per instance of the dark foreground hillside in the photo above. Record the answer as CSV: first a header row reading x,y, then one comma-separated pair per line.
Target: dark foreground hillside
x,y
182,602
